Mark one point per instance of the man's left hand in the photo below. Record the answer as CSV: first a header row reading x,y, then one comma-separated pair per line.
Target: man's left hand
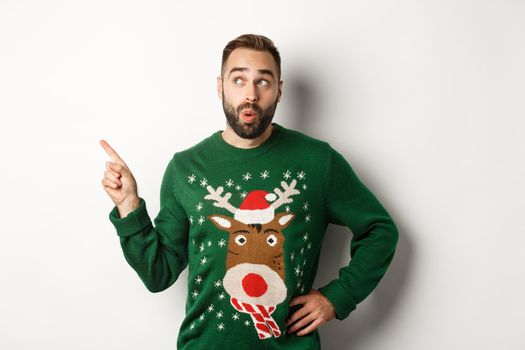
x,y
316,310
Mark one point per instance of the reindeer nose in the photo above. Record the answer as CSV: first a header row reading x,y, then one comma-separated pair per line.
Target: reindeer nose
x,y
254,285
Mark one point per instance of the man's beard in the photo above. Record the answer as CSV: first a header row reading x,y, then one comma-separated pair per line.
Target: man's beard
x,y
251,130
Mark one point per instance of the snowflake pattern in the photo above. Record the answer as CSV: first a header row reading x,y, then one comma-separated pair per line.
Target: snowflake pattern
x,y
229,183
247,176
265,175
299,259
199,206
192,178
204,182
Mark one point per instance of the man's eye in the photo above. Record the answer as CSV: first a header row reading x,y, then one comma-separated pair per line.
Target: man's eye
x,y
237,81
263,82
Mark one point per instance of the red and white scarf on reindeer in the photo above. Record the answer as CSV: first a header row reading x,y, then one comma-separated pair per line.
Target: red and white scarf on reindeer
x,y
261,315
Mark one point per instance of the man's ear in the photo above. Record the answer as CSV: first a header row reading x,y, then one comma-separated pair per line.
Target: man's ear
x,y
219,87
280,91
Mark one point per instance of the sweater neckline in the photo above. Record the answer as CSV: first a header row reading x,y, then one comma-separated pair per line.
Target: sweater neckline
x,y
225,147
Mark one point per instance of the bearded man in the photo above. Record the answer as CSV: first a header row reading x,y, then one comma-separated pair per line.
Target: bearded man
x,y
247,209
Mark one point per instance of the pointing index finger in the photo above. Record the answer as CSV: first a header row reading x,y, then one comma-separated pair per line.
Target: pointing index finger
x,y
111,152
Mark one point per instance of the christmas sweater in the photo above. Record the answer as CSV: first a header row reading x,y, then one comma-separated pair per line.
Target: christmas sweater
x,y
250,223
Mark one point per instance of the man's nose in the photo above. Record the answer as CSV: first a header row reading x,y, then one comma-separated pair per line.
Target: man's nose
x,y
251,93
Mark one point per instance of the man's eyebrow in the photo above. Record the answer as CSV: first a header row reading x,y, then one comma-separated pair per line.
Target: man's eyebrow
x,y
244,69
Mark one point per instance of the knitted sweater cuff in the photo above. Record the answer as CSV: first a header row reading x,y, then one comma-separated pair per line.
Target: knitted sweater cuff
x,y
340,298
135,222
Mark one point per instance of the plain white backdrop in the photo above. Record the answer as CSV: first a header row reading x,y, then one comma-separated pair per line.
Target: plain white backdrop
x,y
426,99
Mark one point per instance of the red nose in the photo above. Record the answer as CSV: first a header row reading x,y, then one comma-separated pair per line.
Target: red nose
x,y
254,285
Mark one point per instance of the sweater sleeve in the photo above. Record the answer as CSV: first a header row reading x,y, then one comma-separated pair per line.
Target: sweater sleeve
x,y
348,202
159,252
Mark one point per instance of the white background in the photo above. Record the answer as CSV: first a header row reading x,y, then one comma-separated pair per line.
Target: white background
x,y
424,98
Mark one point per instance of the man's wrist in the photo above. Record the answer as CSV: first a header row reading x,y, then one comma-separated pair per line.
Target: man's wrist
x,y
127,206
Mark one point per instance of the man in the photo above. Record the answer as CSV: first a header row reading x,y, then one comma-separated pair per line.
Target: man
x,y
247,209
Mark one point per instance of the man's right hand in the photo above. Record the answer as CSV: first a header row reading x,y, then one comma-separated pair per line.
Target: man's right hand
x,y
119,183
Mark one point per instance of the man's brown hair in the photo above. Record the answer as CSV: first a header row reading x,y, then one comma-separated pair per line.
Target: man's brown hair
x,y
254,42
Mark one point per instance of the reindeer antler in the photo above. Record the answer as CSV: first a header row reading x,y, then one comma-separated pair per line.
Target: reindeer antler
x,y
221,202
284,197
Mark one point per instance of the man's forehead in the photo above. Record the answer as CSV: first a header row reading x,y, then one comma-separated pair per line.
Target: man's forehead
x,y
249,60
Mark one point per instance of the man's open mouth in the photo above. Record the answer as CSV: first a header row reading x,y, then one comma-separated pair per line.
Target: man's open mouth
x,y
248,115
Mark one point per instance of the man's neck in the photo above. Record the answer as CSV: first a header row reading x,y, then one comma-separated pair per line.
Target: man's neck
x,y
235,140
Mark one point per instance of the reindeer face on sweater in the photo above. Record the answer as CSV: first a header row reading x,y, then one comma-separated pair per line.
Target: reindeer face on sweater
x,y
256,244
255,267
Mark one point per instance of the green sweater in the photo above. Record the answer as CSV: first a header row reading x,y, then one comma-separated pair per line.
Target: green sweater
x,y
250,224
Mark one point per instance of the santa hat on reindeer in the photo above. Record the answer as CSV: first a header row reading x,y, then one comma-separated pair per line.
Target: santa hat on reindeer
x,y
255,208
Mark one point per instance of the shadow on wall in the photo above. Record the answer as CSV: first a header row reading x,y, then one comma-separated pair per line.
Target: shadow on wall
x,y
299,90
378,308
